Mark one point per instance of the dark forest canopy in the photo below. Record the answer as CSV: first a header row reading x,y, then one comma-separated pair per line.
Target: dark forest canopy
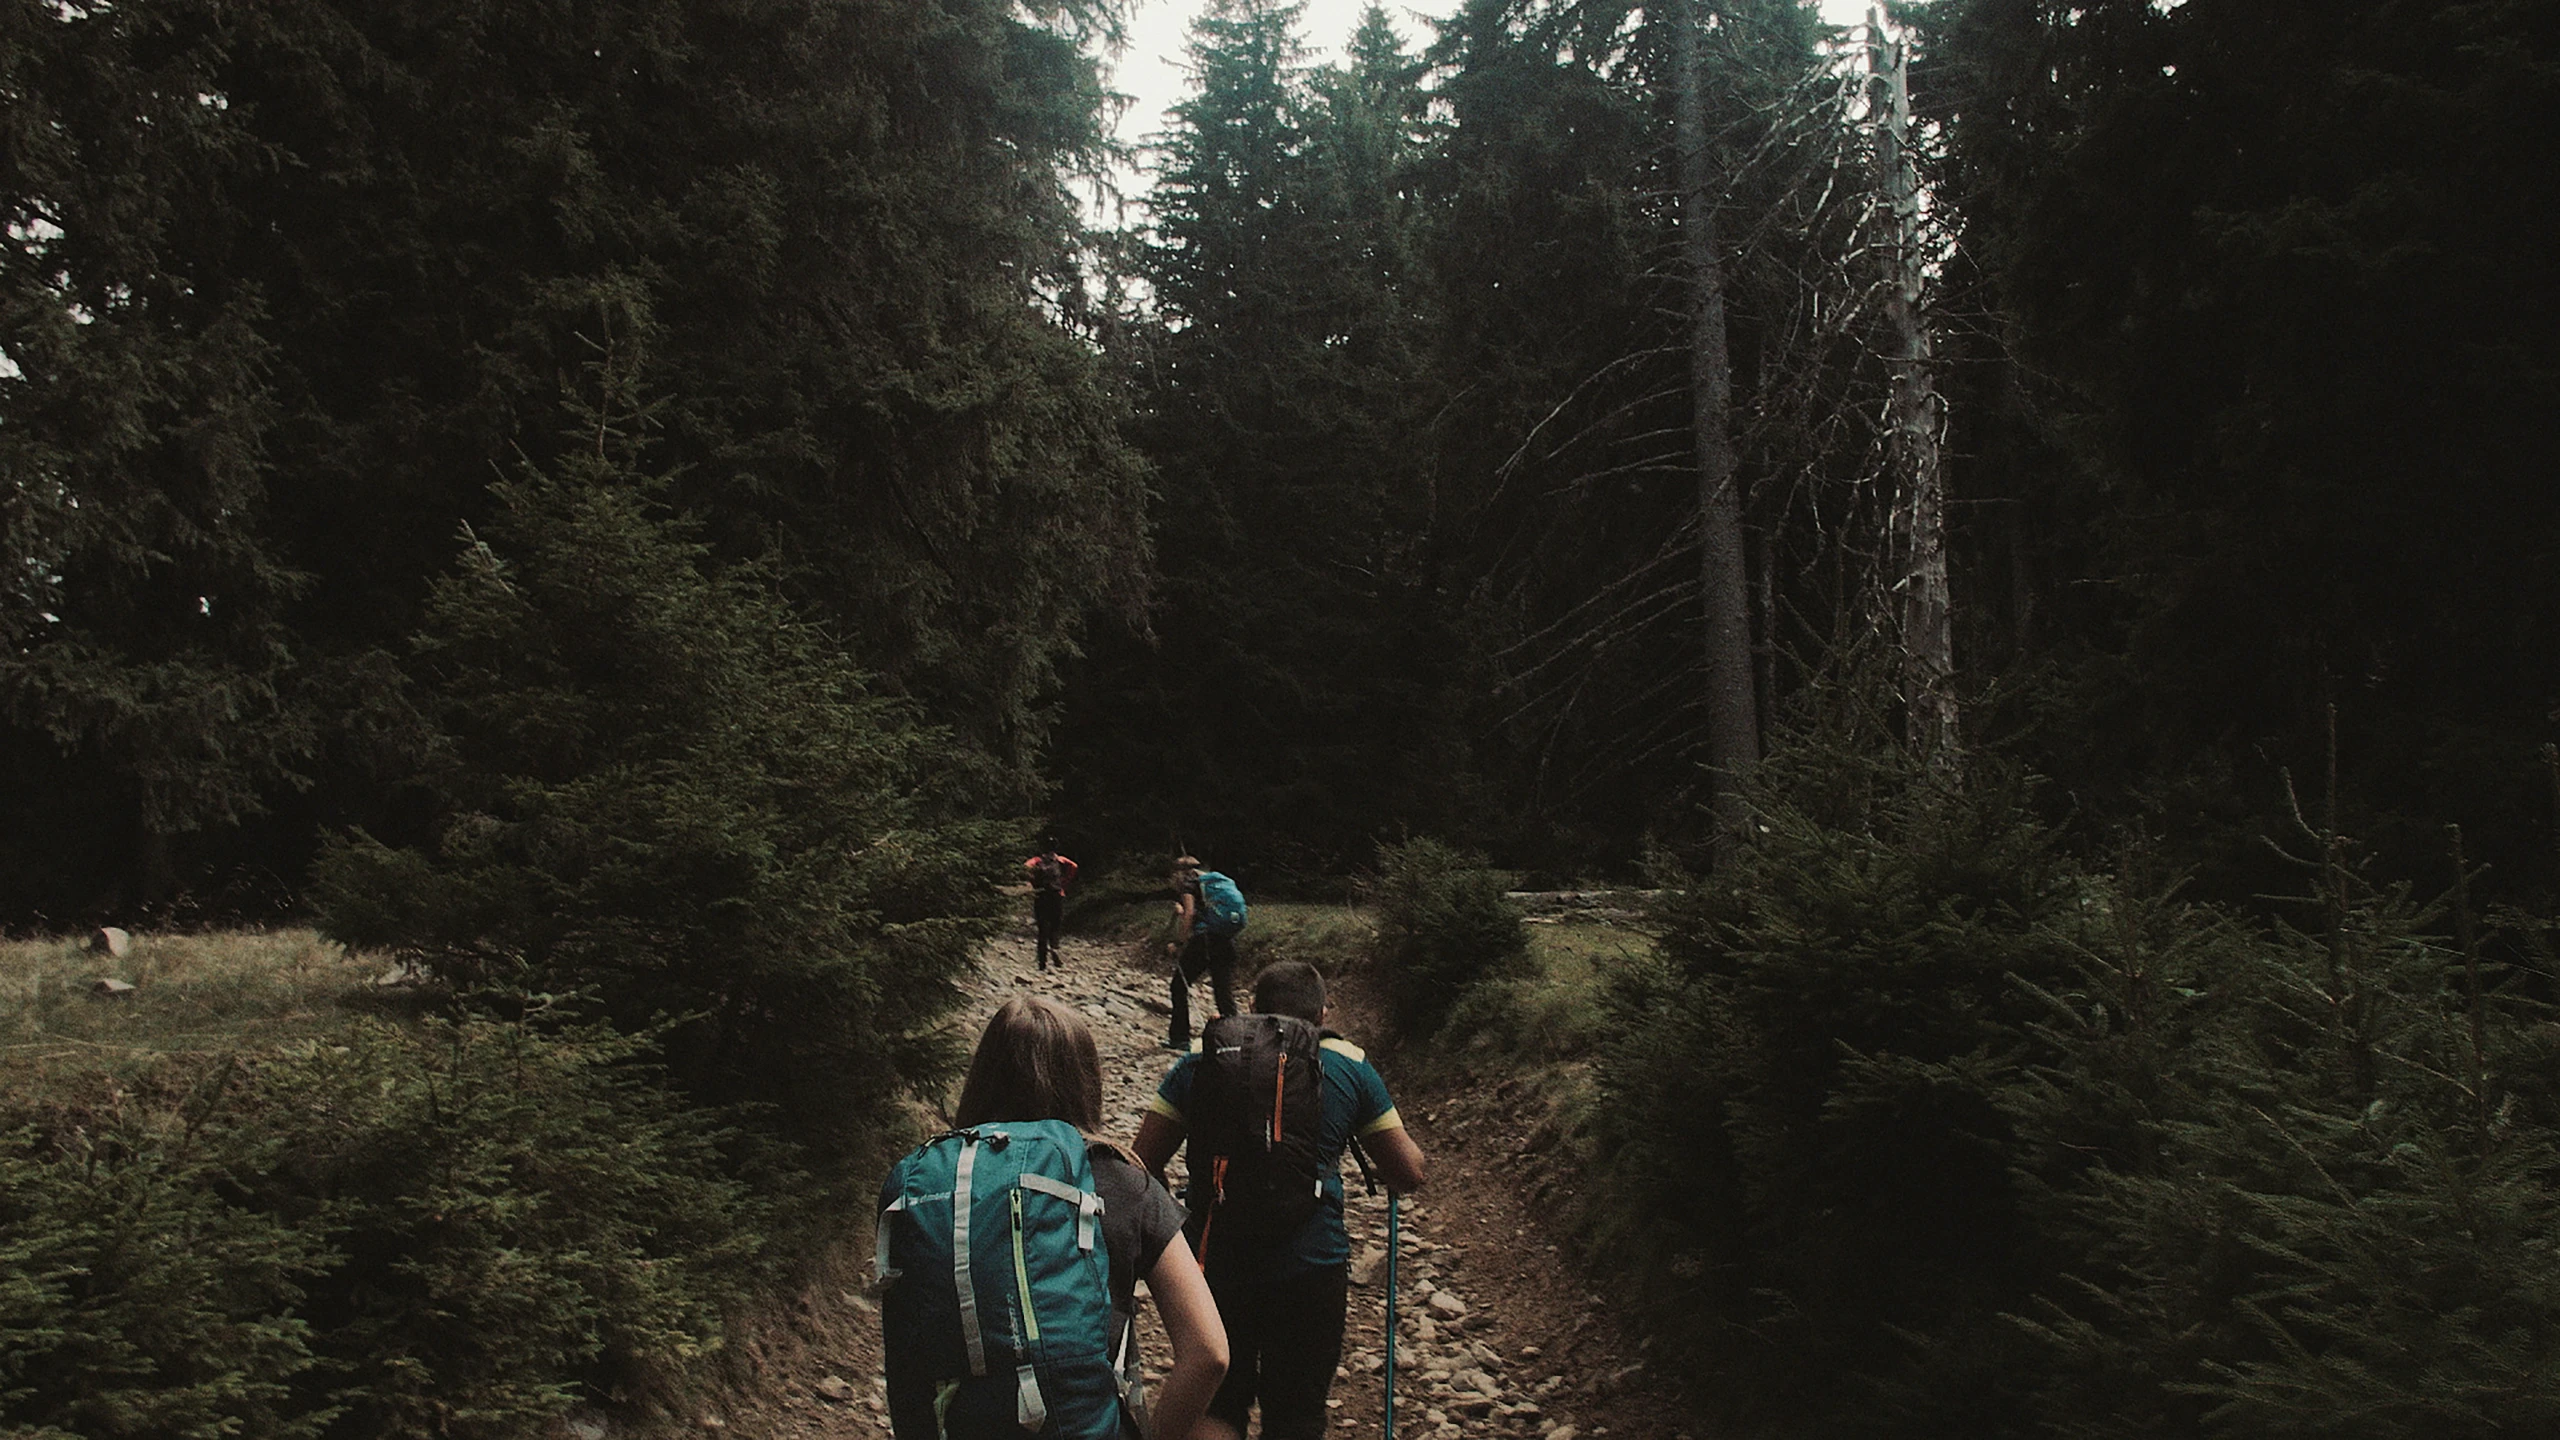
x,y
290,286
1379,515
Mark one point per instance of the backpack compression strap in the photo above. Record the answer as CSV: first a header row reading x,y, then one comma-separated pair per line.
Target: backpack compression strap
x,y
960,1256
1088,1205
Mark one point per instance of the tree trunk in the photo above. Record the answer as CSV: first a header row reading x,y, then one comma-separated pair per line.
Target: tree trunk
x,y
1733,723
1919,512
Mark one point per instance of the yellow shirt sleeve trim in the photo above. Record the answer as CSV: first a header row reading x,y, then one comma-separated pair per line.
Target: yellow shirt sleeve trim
x,y
1344,1048
1389,1121
1157,1104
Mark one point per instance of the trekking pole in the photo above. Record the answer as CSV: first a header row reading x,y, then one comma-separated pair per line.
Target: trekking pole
x,y
1393,1201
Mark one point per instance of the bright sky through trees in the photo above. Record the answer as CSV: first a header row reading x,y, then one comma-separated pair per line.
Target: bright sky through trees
x,y
1152,70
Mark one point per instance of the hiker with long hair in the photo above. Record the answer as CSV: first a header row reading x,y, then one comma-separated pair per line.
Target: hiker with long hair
x,y
1017,1340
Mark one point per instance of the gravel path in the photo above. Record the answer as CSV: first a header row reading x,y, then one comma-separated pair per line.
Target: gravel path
x,y
1494,1339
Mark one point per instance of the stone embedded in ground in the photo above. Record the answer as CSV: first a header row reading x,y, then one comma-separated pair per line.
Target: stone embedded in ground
x,y
1365,1269
1563,1432
836,1387
110,941
1447,1304
109,986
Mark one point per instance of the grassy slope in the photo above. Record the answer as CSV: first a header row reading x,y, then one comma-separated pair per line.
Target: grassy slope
x,y
194,995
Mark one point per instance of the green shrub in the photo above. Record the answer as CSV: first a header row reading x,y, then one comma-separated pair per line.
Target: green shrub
x,y
520,1218
2305,1187
1916,1126
1807,1174
455,1230
662,794
1444,924
139,1295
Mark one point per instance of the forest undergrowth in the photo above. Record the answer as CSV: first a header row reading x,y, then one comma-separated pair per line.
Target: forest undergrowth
x,y
1911,1121
1916,1120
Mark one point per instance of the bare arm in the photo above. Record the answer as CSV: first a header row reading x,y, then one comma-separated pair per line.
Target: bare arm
x,y
1398,1159
1199,1340
1158,1138
1182,914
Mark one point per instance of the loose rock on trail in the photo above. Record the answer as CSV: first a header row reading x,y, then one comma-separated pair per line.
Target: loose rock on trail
x,y
1496,1337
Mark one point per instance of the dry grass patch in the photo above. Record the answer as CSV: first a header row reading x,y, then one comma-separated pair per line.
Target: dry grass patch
x,y
192,995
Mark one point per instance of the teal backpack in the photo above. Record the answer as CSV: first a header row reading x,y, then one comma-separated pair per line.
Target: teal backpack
x,y
1222,904
996,1303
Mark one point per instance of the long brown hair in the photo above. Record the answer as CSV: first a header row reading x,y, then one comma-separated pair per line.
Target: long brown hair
x,y
1036,1061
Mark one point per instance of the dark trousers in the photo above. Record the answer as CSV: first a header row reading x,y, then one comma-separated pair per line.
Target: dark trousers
x,y
1284,1339
1046,908
1215,954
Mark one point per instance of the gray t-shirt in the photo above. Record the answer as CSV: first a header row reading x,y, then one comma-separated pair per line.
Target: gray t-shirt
x,y
1138,1220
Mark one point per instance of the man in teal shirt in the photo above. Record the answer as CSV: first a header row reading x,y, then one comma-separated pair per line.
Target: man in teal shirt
x,y
1283,1300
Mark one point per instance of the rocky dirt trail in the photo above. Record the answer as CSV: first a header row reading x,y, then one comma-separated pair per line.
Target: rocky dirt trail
x,y
1495,1336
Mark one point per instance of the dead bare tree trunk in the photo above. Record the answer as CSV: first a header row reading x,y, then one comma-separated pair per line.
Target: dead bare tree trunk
x,y
1919,511
1733,717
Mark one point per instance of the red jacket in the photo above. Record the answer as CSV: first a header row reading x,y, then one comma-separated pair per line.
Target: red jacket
x,y
1066,871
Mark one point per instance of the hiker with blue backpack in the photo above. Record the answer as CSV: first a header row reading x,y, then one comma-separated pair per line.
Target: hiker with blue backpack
x,y
1009,1254
1208,911
1267,1104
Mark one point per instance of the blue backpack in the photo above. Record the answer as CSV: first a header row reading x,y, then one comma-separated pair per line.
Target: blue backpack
x,y
996,1311
1221,903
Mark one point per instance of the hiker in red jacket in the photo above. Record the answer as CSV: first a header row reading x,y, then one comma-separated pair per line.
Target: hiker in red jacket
x,y
1050,873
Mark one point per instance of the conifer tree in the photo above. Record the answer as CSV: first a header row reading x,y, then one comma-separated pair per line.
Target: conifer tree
x,y
146,670
2279,324
1290,706
1591,449
2302,1187
287,285
664,797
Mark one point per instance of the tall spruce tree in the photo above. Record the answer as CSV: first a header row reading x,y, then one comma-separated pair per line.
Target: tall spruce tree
x,y
1575,437
2283,321
1288,709
146,675
665,797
